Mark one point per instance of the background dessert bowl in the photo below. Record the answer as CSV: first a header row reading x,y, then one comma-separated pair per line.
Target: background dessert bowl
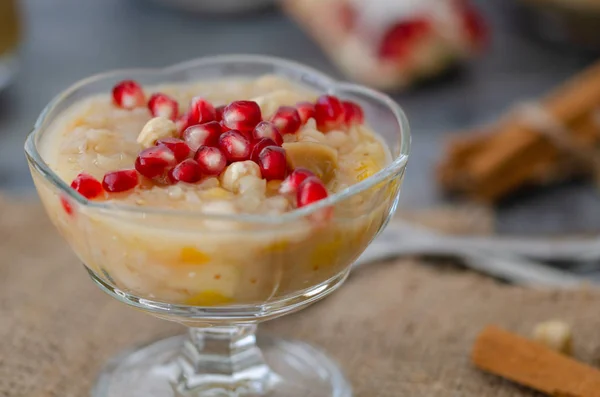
x,y
211,269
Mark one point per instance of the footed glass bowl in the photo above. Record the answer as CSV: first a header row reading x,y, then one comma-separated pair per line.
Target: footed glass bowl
x,y
247,268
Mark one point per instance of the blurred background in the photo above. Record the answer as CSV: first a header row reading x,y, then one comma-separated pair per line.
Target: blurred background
x,y
506,52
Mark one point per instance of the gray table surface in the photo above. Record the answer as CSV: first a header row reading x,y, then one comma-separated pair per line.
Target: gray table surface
x,y
66,40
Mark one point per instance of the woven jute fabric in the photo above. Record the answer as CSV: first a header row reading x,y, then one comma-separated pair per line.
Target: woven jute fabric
x,y
400,328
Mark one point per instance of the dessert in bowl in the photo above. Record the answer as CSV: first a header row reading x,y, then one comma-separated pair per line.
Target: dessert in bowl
x,y
219,193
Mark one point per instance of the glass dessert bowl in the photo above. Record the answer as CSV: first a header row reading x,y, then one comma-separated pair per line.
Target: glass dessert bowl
x,y
222,230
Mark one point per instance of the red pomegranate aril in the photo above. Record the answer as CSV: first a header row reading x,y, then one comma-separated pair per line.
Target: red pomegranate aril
x,y
272,163
162,105
287,120
86,185
120,181
66,204
310,191
128,94
329,113
258,146
235,145
179,148
474,25
398,40
154,161
202,111
291,183
219,113
242,115
186,171
202,134
211,160
306,111
353,113
266,129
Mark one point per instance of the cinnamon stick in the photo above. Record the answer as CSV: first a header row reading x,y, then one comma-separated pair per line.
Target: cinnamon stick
x,y
534,365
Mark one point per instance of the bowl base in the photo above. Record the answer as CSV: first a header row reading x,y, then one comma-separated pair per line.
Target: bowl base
x,y
298,370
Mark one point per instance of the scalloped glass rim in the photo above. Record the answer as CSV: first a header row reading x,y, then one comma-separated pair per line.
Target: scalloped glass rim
x,y
395,167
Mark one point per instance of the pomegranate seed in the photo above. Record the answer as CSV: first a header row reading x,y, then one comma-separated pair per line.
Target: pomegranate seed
x,y
242,115
211,160
306,111
291,183
162,105
179,148
202,111
186,171
272,163
310,191
86,185
224,128
398,40
154,161
266,129
203,134
347,15
353,113
219,112
235,146
474,25
66,204
128,95
287,119
120,181
329,113
258,146
184,122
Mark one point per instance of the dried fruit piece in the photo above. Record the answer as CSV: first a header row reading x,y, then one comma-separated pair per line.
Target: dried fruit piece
x,y
179,148
329,113
186,171
128,94
201,111
306,111
266,129
258,146
155,161
211,160
353,113
319,158
86,185
291,183
235,145
287,120
155,129
162,105
206,134
272,163
120,181
242,115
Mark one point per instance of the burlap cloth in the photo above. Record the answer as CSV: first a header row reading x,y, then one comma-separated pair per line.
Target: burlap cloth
x,y
398,329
